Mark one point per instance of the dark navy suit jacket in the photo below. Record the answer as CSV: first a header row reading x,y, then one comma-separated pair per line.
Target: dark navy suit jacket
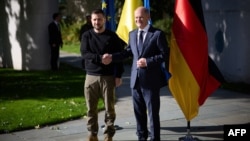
x,y
55,36
155,50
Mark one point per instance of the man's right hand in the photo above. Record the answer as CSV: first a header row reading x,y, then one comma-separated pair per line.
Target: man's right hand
x,y
106,58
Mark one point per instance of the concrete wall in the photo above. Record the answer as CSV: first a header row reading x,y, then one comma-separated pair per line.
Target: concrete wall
x,y
24,33
227,23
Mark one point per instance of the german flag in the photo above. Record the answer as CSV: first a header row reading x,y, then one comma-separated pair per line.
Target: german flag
x,y
191,82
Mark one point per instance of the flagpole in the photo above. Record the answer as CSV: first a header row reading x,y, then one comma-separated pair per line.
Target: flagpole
x,y
188,137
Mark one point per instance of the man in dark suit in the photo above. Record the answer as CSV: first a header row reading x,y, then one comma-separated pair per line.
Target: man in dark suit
x,y
86,26
55,40
147,76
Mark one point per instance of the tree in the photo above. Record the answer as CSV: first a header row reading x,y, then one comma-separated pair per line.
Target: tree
x,y
74,11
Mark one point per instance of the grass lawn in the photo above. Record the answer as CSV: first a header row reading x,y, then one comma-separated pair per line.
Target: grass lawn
x,y
32,99
72,48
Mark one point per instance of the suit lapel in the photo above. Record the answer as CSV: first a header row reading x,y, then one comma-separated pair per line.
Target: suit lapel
x,y
147,39
145,43
134,42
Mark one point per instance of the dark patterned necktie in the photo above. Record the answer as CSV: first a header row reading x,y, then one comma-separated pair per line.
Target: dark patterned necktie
x,y
140,45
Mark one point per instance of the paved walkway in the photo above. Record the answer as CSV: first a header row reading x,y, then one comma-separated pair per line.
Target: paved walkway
x,y
222,107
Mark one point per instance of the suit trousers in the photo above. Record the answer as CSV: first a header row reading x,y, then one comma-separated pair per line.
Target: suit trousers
x,y
146,105
100,87
54,57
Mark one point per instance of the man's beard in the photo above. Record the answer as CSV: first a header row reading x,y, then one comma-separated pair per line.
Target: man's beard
x,y
99,27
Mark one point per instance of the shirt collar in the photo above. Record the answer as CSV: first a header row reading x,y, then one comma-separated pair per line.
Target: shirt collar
x,y
56,22
145,29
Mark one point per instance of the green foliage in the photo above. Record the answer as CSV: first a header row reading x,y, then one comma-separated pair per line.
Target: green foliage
x,y
74,15
32,99
160,9
70,32
165,25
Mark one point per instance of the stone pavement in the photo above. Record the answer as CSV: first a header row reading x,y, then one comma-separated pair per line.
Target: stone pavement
x,y
221,108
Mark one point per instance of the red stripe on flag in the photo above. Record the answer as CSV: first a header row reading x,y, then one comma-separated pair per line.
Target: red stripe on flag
x,y
191,39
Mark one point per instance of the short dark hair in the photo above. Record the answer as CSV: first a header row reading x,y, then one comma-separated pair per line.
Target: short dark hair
x,y
55,15
98,11
88,16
